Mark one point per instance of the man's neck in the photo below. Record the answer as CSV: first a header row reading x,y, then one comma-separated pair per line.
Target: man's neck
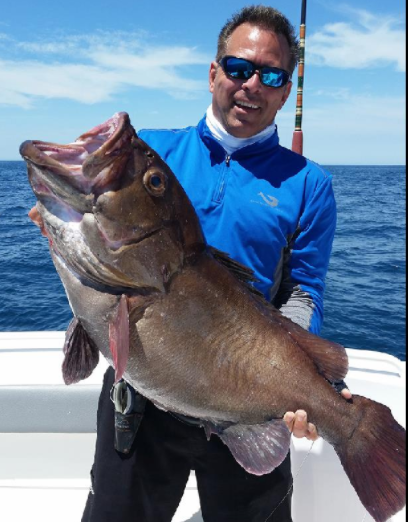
x,y
231,143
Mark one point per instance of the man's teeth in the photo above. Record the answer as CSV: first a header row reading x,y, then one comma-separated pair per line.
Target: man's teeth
x,y
249,105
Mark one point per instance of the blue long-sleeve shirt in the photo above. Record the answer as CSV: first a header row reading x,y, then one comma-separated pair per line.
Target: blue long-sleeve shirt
x,y
266,206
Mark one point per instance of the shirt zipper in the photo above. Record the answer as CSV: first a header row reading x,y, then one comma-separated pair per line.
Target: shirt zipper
x,y
219,191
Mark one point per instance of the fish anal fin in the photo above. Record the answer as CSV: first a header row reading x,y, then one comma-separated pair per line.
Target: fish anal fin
x,y
258,448
329,357
119,337
81,354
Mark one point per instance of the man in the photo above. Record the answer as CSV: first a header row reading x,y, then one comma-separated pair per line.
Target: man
x,y
269,209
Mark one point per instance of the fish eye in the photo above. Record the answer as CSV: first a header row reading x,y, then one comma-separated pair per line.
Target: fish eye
x,y
155,183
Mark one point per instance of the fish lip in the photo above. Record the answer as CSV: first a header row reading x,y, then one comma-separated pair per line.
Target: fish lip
x,y
116,246
119,130
37,149
88,149
98,283
59,189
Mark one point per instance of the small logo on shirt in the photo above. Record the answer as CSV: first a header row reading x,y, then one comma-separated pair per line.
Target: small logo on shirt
x,y
269,201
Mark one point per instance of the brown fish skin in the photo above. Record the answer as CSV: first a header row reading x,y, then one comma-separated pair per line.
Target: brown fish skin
x,y
237,364
200,342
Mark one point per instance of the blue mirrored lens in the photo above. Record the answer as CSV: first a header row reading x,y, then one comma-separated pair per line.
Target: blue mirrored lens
x,y
241,69
273,78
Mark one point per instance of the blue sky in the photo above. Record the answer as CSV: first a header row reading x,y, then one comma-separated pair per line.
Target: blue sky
x,y
68,66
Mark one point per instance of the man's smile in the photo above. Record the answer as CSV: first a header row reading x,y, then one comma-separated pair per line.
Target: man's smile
x,y
246,105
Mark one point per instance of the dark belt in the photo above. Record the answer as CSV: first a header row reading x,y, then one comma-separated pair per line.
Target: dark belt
x,y
129,409
191,421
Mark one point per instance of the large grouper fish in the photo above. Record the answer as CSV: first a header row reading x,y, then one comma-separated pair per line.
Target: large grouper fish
x,y
181,321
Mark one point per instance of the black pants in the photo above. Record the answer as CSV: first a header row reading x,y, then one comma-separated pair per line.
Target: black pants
x,y
147,484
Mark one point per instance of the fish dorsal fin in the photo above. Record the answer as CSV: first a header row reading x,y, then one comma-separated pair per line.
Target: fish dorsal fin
x,y
258,448
240,271
329,357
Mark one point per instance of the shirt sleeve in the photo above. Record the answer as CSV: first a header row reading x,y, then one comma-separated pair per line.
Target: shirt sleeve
x,y
300,295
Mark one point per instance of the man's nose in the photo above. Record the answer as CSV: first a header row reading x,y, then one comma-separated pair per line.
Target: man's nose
x,y
253,83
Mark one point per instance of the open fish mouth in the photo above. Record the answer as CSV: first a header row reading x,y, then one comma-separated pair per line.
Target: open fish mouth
x,y
68,179
90,164
97,200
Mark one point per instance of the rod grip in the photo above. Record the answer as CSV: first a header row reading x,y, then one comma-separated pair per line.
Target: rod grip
x,y
297,142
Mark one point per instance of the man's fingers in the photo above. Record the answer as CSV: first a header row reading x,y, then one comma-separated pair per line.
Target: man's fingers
x,y
289,418
34,215
298,425
346,394
312,432
300,428
36,218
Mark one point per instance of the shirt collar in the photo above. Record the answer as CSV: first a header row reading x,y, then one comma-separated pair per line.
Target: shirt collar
x,y
230,143
263,146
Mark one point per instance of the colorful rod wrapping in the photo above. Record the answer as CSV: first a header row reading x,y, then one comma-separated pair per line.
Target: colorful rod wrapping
x,y
301,75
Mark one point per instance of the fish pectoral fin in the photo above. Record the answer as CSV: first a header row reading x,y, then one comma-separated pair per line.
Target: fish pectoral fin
x,y
81,353
243,273
258,448
119,337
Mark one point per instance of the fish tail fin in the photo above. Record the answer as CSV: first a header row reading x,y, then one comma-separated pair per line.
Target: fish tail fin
x,y
374,458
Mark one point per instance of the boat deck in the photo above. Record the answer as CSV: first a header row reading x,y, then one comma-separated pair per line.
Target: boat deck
x,y
47,438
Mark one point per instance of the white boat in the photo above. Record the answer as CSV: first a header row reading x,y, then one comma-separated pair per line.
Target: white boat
x,y
48,431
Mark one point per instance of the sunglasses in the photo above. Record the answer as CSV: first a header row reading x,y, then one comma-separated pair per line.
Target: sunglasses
x,y
241,69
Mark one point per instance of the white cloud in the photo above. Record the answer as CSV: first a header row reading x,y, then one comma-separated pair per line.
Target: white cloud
x,y
371,41
95,68
344,128
360,115
86,84
14,98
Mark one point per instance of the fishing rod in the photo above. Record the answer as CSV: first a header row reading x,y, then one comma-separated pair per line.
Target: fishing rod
x,y
297,142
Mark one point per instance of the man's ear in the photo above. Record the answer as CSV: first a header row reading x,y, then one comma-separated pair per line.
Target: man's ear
x,y
212,74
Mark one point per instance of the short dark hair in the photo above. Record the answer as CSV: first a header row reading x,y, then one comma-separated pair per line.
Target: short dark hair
x,y
266,18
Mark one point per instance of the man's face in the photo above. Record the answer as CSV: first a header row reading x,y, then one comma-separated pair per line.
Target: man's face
x,y
231,97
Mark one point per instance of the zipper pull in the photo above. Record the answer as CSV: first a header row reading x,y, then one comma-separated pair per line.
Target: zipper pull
x,y
227,160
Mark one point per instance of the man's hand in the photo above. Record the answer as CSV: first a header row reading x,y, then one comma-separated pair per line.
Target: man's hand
x,y
35,217
298,425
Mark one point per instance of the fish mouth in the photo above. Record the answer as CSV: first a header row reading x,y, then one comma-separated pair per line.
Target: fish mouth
x,y
68,179
87,166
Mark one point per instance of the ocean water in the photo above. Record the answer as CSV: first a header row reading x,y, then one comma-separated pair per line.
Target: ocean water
x,y
365,295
